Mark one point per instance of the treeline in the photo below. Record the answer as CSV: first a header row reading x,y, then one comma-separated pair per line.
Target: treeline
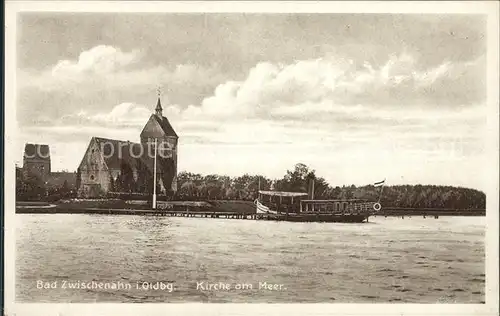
x,y
191,186
31,187
214,187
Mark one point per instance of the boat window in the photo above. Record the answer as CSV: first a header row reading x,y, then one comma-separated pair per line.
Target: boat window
x,y
344,206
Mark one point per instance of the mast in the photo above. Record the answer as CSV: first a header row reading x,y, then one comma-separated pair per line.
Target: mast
x,y
312,190
258,190
154,179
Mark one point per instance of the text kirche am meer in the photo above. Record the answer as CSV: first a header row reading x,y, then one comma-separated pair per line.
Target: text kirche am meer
x,y
157,286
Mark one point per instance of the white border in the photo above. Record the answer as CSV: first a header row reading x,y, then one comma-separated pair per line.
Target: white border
x,y
489,8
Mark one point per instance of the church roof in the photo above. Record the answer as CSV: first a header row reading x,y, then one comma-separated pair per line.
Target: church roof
x,y
165,126
119,152
115,152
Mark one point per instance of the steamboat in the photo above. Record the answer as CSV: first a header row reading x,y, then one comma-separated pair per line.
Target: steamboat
x,y
296,207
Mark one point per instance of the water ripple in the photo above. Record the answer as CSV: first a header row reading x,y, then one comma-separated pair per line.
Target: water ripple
x,y
389,260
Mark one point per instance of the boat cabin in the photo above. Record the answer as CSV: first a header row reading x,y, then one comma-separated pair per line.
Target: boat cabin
x,y
282,202
296,202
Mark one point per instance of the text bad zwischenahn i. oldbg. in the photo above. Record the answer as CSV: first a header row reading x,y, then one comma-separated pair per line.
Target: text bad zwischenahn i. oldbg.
x,y
156,286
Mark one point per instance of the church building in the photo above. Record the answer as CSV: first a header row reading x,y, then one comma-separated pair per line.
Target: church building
x,y
36,161
111,165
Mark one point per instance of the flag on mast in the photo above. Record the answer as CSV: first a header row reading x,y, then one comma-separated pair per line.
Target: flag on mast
x,y
381,185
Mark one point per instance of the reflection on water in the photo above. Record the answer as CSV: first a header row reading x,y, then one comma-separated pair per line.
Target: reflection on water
x,y
222,260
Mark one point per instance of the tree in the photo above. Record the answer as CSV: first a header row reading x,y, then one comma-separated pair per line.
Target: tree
x,y
78,178
126,178
111,183
297,180
65,187
188,188
33,188
245,187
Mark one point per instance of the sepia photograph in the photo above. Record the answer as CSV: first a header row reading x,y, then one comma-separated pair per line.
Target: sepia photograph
x,y
252,156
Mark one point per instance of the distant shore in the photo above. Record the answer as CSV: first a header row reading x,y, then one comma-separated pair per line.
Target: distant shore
x,y
122,207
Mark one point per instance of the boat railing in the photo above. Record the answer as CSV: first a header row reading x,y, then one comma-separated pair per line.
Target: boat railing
x,y
344,207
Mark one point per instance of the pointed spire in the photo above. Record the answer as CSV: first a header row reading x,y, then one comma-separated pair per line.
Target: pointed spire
x,y
159,109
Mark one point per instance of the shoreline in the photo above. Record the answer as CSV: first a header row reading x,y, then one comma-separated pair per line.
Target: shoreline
x,y
224,208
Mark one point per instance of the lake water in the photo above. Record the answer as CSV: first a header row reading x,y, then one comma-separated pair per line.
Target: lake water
x,y
387,260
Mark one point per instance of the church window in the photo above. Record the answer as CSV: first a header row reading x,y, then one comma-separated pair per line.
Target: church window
x,y
92,177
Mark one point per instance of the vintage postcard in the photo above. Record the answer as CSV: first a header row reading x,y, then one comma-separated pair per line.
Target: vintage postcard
x,y
249,158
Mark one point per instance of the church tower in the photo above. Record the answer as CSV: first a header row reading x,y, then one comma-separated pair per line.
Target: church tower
x,y
158,127
159,109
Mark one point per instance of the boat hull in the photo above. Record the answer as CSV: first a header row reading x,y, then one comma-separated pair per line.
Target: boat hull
x,y
262,209
325,218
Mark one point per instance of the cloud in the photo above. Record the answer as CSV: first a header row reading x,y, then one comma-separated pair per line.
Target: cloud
x,y
101,60
332,94
338,85
130,116
122,115
102,77
311,89
105,73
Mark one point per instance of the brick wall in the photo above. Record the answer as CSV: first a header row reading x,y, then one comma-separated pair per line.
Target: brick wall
x,y
95,177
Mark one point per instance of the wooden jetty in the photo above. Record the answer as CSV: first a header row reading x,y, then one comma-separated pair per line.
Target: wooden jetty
x,y
171,213
393,211
150,212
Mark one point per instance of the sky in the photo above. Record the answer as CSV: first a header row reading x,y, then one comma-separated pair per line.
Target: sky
x,y
357,97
